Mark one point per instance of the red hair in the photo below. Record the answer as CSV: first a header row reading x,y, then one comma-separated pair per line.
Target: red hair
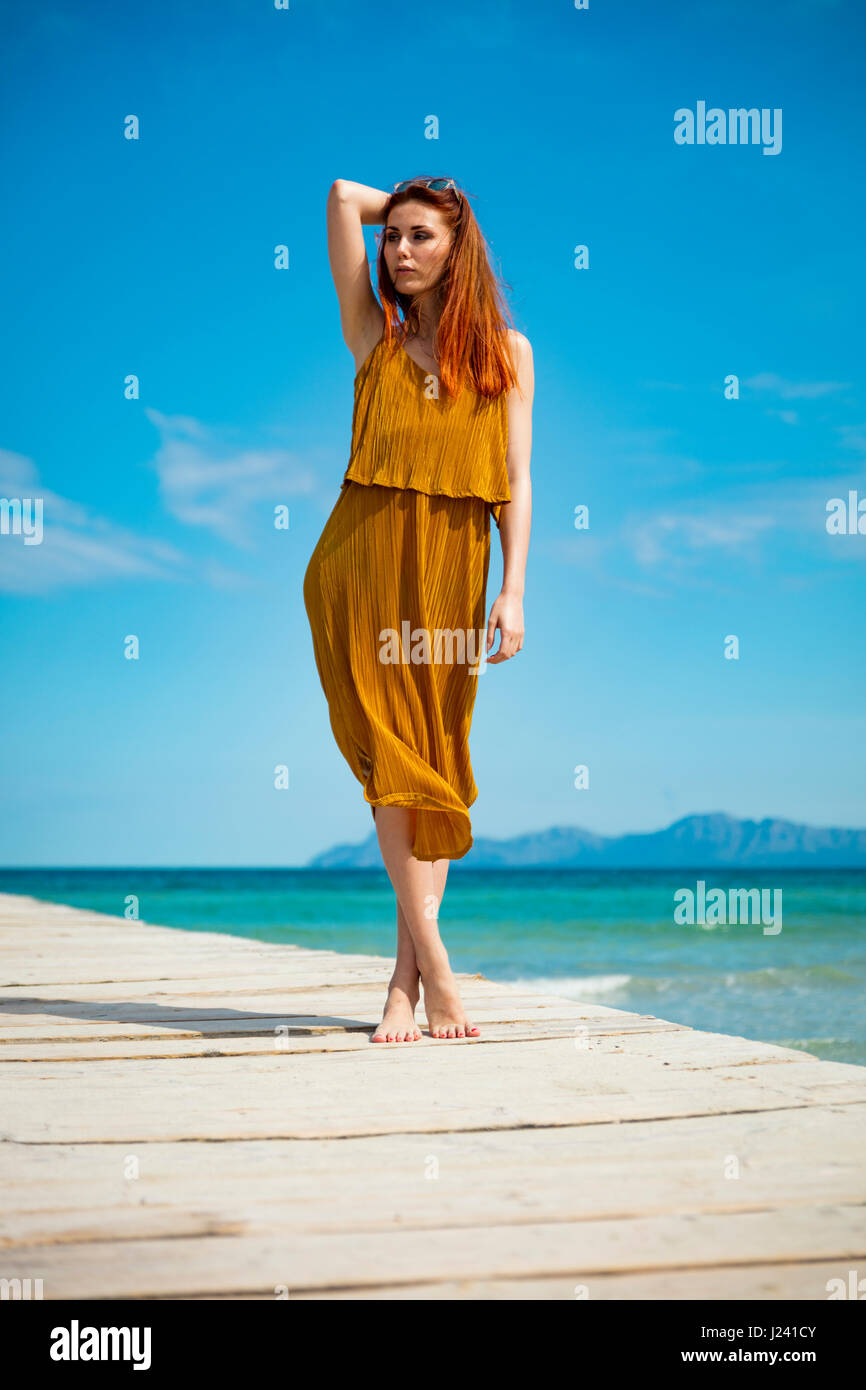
x,y
474,317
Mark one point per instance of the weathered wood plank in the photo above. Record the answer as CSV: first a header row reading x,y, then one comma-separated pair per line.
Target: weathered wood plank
x,y
302,1262
59,1033
737,1163
759,1140
306,1037
429,1087
746,1283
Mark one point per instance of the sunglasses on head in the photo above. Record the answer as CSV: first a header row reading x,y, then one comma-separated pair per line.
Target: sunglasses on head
x,y
438,185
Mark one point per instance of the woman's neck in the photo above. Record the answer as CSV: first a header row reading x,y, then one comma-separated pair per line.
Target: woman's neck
x,y
428,318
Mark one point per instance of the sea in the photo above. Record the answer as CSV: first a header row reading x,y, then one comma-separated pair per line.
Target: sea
x,y
794,976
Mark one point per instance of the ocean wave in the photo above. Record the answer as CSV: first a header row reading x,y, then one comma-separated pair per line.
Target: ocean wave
x,y
770,978
578,986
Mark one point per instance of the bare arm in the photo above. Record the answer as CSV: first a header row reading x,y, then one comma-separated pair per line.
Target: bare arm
x,y
352,206
515,517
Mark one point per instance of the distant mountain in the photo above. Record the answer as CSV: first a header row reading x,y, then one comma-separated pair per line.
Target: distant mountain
x,y
701,841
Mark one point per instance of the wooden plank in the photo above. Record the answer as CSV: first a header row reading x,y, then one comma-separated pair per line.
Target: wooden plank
x,y
297,1013
760,1140
83,1193
429,1087
302,1037
299,1261
67,1032
736,1283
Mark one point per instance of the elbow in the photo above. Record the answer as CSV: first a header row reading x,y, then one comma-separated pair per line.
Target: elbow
x,y
337,191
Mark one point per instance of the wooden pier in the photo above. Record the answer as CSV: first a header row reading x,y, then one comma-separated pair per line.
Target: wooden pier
x,y
193,1115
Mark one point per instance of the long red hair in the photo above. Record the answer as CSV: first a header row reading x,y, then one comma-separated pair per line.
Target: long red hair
x,y
472,347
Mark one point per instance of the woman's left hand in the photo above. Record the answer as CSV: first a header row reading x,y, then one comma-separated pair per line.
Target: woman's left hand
x,y
506,615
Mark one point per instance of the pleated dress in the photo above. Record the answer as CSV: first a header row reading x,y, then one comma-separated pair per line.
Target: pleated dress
x,y
395,591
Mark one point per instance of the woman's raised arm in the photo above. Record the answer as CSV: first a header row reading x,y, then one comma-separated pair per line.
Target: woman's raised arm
x,y
351,206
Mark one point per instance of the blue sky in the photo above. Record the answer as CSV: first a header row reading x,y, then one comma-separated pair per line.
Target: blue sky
x,y
155,257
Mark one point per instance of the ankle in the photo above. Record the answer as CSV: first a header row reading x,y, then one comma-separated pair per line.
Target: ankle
x,y
404,980
435,963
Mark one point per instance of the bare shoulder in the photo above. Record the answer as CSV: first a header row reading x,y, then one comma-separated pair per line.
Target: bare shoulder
x,y
519,342
521,355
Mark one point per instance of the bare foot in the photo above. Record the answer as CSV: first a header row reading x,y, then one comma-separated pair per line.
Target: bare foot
x,y
446,1016
398,1022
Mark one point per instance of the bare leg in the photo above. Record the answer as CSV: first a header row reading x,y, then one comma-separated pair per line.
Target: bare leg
x,y
394,826
419,887
398,1021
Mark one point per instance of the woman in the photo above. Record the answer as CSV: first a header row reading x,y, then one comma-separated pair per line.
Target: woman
x,y
395,589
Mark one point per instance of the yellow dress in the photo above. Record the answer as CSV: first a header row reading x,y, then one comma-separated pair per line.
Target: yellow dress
x,y
395,591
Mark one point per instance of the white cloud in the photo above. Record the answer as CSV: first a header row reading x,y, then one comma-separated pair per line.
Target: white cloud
x,y
203,484
793,390
230,493
652,550
668,535
78,546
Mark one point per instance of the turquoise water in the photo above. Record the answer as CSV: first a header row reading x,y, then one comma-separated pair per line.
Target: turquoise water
x,y
605,936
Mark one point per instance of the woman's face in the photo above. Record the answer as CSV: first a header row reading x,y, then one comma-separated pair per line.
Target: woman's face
x,y
417,243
